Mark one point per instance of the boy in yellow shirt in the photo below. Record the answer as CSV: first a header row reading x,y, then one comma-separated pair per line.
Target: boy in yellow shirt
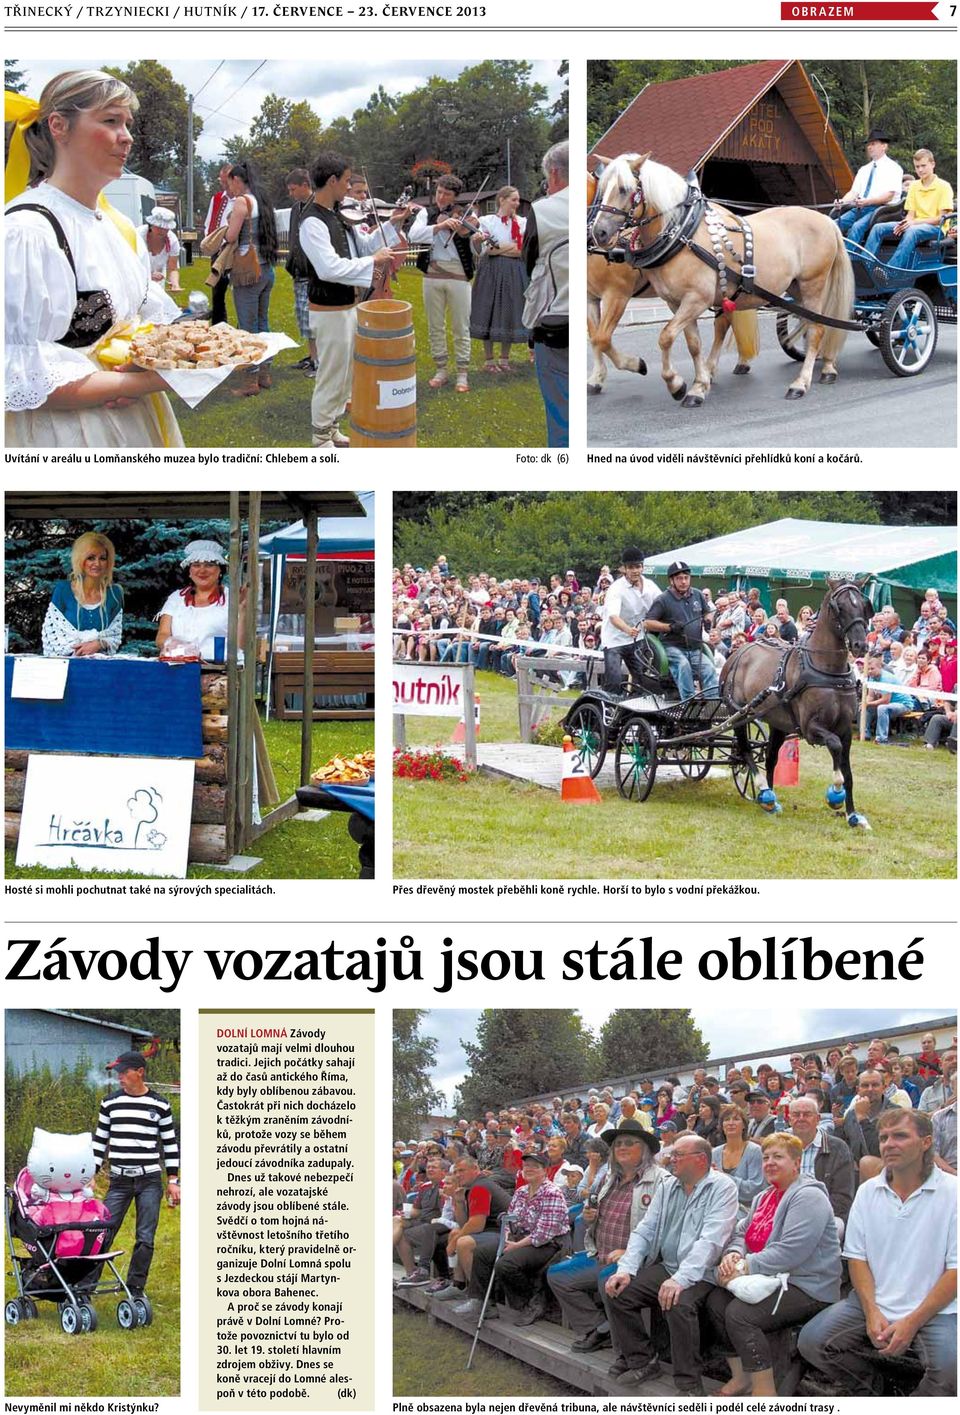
x,y
929,200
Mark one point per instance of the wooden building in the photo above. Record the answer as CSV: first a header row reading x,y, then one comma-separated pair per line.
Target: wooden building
x,y
755,135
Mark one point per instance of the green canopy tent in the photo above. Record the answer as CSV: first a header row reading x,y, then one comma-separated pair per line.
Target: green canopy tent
x,y
792,559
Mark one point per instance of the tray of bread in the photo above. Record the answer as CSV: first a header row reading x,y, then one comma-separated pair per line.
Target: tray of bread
x,y
195,344
345,771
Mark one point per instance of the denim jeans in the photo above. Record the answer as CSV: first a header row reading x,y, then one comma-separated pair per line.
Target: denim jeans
x,y
854,223
685,664
253,305
904,255
146,1192
883,716
553,375
836,1343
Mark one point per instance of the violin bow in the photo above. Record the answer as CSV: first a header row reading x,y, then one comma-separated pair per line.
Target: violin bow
x,y
480,191
383,279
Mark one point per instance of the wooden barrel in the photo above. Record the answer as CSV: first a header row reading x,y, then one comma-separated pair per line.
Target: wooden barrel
x,y
383,410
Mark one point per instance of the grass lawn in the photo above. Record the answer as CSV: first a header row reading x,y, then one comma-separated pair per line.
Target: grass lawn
x,y
42,1361
431,1361
323,850
500,410
909,796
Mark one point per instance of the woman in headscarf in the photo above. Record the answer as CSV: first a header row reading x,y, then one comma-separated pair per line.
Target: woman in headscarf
x,y
160,238
197,613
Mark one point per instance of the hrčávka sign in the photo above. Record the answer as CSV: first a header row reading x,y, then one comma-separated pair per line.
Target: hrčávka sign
x,y
122,814
428,689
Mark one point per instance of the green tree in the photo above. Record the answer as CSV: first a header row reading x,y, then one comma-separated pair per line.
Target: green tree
x,y
633,1040
14,78
159,150
560,111
283,135
519,1053
413,1056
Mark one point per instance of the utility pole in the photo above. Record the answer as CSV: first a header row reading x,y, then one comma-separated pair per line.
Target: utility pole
x,y
190,221
508,162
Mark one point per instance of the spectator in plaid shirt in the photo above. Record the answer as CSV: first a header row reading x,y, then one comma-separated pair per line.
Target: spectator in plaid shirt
x,y
539,1222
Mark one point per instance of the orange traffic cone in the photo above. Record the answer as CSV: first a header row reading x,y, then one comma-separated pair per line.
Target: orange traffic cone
x,y
787,770
460,732
576,783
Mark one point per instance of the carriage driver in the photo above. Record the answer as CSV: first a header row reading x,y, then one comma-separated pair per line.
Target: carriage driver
x,y
876,184
681,614
625,606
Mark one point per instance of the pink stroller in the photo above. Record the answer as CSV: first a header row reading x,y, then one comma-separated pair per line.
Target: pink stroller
x,y
65,1242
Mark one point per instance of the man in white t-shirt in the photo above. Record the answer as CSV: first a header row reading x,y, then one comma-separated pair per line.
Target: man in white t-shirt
x,y
901,1246
625,607
876,184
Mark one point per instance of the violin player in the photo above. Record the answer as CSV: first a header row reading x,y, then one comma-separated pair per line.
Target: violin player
x,y
448,268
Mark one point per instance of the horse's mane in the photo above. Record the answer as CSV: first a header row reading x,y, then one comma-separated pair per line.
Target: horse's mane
x,y
662,186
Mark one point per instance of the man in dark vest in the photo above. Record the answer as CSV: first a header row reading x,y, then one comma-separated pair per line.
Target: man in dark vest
x,y
300,193
342,259
447,267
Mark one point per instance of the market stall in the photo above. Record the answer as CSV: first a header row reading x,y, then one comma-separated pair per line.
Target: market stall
x,y
124,707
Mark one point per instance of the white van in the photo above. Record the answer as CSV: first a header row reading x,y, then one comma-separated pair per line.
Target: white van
x,y
133,195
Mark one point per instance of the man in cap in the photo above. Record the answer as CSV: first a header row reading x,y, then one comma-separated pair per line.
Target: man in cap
x,y
763,1122
625,1195
876,184
135,1128
682,614
625,606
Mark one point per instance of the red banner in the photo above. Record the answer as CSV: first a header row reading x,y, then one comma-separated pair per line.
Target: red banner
x,y
858,10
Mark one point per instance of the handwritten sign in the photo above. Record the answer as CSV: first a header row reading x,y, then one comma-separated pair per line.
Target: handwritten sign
x,y
122,814
39,678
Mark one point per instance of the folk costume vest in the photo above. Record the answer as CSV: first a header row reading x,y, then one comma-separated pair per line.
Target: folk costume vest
x,y
460,243
330,293
93,314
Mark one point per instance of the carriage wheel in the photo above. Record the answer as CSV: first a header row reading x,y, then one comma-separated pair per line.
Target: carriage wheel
x,y
88,1316
585,725
745,773
908,333
635,764
791,335
13,1313
144,1310
71,1320
30,1309
696,760
127,1315
873,336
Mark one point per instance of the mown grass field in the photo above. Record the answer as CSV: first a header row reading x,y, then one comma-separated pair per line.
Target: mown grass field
x,y
41,1361
491,827
431,1361
292,850
499,411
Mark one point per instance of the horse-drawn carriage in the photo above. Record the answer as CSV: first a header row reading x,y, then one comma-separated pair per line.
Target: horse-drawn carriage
x,y
769,692
700,257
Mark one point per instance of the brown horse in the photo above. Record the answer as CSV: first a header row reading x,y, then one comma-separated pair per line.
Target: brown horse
x,y
812,693
610,285
794,250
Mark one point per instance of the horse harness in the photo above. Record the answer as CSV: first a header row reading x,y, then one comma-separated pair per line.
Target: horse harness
x,y
680,232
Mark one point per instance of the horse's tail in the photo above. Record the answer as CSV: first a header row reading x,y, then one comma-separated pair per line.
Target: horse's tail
x,y
837,296
746,331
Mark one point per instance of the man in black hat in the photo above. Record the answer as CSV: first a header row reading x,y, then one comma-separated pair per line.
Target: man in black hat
x,y
681,614
135,1126
625,606
876,184
610,1215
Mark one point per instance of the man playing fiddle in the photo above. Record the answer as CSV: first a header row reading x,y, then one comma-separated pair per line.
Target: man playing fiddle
x,y
342,260
447,271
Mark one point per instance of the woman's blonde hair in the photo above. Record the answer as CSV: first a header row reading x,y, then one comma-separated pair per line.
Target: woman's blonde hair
x,y
77,91
81,548
791,1143
507,191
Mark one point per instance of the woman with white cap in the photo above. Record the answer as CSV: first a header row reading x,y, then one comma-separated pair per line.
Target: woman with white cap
x,y
197,613
160,238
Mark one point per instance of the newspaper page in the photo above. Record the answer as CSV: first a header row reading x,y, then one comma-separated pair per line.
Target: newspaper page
x,y
648,676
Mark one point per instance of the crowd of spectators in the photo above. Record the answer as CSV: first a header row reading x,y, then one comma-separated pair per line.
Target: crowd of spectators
x,y
437,616
761,1201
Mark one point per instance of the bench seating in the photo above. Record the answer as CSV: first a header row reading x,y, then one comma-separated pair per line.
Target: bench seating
x,y
338,674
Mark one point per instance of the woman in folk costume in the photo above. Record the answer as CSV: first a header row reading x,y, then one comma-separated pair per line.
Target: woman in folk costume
x,y
75,268
496,310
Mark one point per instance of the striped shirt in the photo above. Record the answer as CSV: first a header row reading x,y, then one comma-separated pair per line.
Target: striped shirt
x,y
134,1129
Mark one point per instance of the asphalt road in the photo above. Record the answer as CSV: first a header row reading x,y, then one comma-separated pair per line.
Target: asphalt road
x,y
867,407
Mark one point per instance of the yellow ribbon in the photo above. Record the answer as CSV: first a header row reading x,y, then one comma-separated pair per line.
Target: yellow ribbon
x,y
22,112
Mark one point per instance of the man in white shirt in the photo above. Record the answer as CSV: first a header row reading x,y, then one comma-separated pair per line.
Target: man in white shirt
x,y
876,184
625,607
342,261
901,1246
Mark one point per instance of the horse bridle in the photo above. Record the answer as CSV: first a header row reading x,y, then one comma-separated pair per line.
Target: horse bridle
x,y
844,630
